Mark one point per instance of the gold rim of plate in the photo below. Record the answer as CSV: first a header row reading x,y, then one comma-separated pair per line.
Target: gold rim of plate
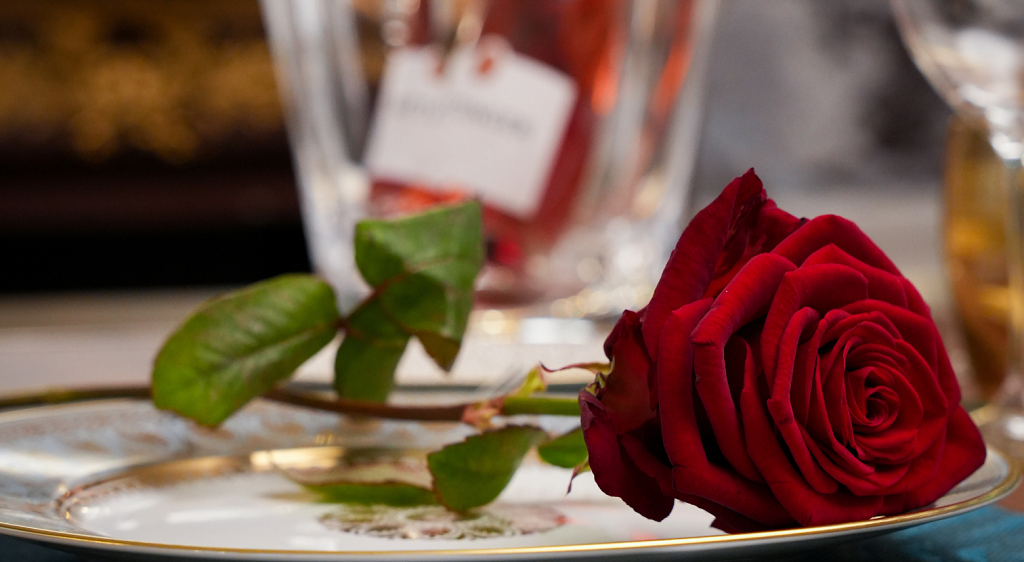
x,y
57,397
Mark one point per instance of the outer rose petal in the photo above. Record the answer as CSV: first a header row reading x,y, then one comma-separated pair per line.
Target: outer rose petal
x,y
626,397
615,473
882,285
830,229
725,519
692,264
964,453
718,232
748,296
692,473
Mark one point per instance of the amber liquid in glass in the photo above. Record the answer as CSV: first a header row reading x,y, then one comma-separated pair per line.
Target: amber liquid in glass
x,y
975,239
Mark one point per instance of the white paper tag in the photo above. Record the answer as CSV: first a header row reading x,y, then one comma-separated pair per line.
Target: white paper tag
x,y
493,132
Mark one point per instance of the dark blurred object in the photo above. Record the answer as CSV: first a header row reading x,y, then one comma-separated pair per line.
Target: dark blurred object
x,y
141,144
816,96
977,196
181,80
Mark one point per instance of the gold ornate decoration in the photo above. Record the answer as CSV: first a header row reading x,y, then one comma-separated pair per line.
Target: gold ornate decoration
x,y
168,77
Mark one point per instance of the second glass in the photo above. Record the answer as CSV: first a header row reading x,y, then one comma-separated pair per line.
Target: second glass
x,y
973,53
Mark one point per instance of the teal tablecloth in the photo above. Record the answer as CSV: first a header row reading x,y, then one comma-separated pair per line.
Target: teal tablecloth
x,y
990,534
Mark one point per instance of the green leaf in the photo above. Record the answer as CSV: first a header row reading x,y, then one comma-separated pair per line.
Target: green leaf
x,y
567,451
473,472
422,269
579,469
368,478
366,361
387,493
532,384
238,346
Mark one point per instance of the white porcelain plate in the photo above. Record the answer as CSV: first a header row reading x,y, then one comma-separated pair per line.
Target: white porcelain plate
x,y
117,477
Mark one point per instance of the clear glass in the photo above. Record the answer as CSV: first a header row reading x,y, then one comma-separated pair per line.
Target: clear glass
x,y
615,182
973,53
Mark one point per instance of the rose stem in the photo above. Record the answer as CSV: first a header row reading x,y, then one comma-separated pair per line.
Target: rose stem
x,y
62,395
369,409
549,405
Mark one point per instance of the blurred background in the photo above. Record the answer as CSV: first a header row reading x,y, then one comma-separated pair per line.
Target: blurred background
x,y
142,144
144,164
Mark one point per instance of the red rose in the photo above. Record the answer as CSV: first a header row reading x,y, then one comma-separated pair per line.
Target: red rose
x,y
784,373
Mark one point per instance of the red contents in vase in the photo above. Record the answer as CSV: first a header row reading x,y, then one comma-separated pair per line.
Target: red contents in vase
x,y
576,37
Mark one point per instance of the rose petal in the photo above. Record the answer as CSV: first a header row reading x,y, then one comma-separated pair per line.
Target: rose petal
x,y
804,504
807,362
675,385
915,303
882,285
895,503
748,296
934,403
876,481
615,473
626,396
775,225
963,454
821,287
856,316
692,473
919,331
830,229
833,388
641,455
830,453
725,518
781,408
692,265
945,375
873,409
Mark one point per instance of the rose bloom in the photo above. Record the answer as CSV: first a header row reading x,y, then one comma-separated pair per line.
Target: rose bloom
x,y
784,373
